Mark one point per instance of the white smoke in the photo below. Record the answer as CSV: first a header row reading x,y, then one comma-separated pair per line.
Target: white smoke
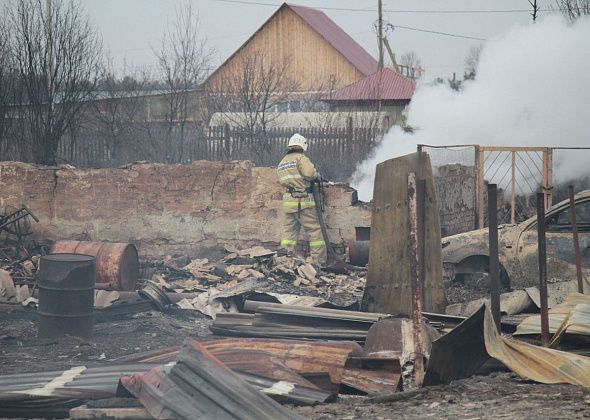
x,y
532,89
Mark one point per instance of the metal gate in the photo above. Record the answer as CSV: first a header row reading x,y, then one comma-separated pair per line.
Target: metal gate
x,y
519,172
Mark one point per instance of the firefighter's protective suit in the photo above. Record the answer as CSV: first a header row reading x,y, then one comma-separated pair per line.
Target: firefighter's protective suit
x,y
295,173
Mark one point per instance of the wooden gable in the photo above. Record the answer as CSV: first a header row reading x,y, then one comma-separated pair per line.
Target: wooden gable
x,y
313,62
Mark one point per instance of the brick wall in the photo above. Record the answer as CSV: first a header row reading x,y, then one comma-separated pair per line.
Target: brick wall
x,y
165,208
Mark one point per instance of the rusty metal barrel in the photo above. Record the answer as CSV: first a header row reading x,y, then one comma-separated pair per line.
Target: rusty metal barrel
x,y
117,263
66,295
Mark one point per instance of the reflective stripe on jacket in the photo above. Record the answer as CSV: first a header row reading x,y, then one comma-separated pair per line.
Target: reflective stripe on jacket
x,y
296,171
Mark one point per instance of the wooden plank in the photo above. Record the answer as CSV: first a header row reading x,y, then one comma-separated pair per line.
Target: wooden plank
x,y
389,288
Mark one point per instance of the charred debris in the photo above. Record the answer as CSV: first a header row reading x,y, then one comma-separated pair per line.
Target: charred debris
x,y
282,333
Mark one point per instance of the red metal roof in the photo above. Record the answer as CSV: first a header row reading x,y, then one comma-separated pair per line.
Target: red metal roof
x,y
382,85
339,39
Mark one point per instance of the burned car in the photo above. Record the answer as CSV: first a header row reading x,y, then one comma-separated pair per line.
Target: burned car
x,y
466,255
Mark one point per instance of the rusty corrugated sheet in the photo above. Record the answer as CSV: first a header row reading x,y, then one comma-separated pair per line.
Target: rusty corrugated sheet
x,y
259,368
373,375
268,373
382,85
539,364
201,386
301,356
348,47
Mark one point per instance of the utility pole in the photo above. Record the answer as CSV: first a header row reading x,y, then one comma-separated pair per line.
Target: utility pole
x,y
380,33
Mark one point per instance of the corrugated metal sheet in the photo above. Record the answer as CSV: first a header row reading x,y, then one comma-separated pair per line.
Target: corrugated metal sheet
x,y
458,354
54,393
289,321
259,368
339,39
269,374
539,364
382,85
373,375
571,316
301,356
200,386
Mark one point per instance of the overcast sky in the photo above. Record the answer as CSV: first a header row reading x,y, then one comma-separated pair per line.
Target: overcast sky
x,y
131,28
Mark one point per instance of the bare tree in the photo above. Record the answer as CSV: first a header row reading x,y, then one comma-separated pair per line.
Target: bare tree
x,y
119,114
573,9
56,53
535,11
183,58
472,61
6,88
248,95
410,65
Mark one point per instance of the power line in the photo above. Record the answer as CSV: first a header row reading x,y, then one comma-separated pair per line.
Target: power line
x,y
439,33
343,9
409,28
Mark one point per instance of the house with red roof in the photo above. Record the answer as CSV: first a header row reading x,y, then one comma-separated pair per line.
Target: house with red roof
x,y
315,53
384,91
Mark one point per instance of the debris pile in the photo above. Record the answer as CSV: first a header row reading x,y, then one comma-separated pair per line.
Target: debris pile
x,y
232,273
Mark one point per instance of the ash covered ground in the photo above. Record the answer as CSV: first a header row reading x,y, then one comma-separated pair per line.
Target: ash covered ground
x,y
497,395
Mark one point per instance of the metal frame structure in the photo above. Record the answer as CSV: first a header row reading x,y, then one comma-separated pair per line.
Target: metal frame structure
x,y
511,168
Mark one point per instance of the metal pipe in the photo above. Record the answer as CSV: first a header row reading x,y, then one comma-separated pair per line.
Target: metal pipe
x,y
416,275
576,240
513,191
494,275
542,268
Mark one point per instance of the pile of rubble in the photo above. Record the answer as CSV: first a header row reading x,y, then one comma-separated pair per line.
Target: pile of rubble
x,y
18,266
258,270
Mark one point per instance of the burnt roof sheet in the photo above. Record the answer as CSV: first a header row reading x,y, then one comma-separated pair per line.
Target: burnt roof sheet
x,y
385,84
200,386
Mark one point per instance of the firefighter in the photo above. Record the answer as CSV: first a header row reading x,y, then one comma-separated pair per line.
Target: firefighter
x,y
296,174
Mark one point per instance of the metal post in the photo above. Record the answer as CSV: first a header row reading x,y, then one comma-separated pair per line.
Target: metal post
x,y
416,273
576,240
542,268
494,278
547,183
513,192
549,186
479,163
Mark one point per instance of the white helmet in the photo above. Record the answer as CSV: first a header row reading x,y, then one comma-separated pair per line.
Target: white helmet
x,y
298,140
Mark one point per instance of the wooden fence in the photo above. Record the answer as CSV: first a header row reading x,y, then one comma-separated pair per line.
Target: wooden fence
x,y
336,152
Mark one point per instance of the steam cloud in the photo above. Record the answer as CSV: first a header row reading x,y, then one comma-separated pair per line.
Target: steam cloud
x,y
532,89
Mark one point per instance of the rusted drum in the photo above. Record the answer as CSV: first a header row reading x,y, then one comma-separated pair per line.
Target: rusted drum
x,y
358,252
66,295
117,264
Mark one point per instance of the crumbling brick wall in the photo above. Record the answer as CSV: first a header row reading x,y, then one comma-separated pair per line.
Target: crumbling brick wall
x,y
165,208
